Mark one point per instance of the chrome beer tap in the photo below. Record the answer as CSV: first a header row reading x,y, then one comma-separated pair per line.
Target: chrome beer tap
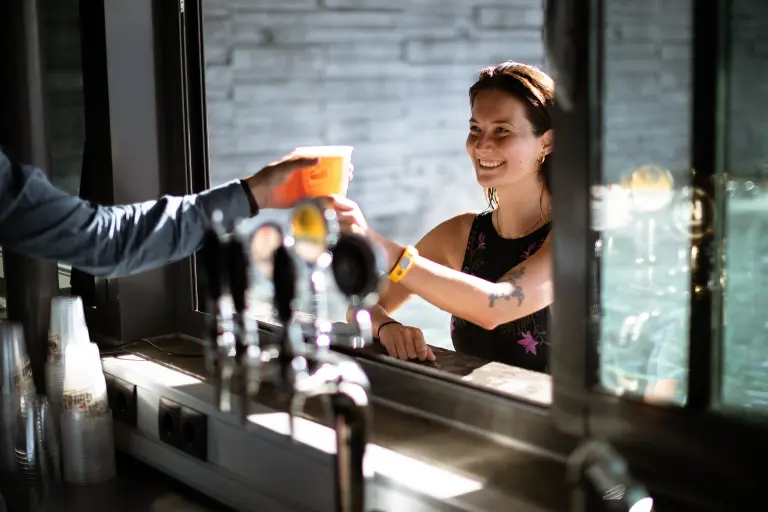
x,y
343,381
246,378
356,268
310,370
221,322
314,229
296,370
600,480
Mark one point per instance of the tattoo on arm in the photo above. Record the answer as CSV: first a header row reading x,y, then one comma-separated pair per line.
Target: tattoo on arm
x,y
515,290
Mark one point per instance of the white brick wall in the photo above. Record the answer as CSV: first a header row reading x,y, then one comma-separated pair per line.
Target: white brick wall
x,y
647,87
392,81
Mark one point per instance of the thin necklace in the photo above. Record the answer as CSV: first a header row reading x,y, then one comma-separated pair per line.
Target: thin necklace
x,y
525,233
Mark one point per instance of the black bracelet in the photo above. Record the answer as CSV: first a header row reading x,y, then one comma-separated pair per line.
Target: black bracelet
x,y
378,332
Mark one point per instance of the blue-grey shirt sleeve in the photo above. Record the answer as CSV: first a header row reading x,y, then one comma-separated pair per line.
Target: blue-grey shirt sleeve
x,y
41,221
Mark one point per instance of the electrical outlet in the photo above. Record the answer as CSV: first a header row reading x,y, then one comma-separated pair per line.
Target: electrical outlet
x,y
122,400
169,421
193,433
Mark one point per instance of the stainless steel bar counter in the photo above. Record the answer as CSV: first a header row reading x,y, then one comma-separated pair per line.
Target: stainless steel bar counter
x,y
137,488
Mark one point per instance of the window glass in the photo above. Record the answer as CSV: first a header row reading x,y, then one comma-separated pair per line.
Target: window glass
x,y
64,92
641,203
65,107
745,350
65,110
390,79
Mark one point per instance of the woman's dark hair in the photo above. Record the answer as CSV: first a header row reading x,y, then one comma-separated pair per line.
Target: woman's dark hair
x,y
534,88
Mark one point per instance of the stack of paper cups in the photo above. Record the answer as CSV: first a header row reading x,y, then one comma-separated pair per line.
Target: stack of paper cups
x,y
37,447
88,447
67,328
17,391
84,389
87,442
15,366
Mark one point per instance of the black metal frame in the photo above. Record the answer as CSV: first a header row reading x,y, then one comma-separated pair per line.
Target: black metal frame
x,y
415,389
663,445
168,113
30,284
196,133
125,127
698,456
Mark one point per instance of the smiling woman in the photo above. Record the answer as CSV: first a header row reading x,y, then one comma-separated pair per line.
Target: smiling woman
x,y
491,271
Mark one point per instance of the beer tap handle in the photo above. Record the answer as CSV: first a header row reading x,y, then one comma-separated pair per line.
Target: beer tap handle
x,y
214,257
356,268
212,260
284,279
226,376
314,229
238,285
300,369
364,326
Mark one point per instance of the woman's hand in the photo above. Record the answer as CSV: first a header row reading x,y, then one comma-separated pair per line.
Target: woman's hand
x,y
405,342
352,220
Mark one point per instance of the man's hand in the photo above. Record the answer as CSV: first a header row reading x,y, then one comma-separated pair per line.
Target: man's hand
x,y
274,174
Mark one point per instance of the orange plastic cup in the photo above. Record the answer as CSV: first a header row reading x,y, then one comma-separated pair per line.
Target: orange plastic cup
x,y
328,177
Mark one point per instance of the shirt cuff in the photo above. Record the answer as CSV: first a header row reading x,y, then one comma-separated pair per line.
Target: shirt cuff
x,y
251,199
233,200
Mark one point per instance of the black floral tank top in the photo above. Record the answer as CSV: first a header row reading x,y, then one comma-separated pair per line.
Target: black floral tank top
x,y
522,342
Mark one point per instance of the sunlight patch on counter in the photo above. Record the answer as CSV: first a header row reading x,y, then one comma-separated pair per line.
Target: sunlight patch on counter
x,y
157,372
406,471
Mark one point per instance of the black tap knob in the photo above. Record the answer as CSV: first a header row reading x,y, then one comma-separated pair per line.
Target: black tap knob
x,y
238,286
238,274
284,280
213,252
356,267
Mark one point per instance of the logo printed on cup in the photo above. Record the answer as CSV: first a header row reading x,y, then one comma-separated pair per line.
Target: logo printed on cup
x,y
318,174
54,347
83,400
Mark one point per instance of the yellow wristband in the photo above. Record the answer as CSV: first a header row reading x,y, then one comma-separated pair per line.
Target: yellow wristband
x,y
404,264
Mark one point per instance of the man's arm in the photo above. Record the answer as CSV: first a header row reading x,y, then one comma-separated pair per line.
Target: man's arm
x,y
44,222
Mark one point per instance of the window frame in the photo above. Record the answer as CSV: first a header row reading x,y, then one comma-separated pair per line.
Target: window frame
x,y
701,454
180,167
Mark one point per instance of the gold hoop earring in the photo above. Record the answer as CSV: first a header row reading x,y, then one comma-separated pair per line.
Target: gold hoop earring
x,y
542,158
